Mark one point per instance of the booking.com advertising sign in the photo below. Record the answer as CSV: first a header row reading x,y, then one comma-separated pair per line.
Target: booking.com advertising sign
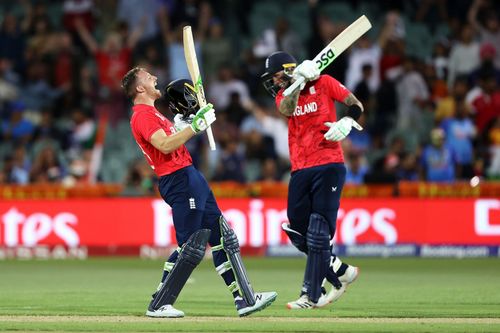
x,y
445,227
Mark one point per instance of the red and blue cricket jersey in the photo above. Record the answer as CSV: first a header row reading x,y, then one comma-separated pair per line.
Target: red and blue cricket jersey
x,y
145,121
306,126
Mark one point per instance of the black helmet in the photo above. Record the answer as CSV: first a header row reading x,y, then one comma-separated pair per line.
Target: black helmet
x,y
181,97
276,62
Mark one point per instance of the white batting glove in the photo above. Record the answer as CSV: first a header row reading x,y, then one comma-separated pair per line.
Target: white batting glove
x,y
308,69
339,130
181,123
203,118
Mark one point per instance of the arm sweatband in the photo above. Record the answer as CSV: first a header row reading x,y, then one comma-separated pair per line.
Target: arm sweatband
x,y
354,111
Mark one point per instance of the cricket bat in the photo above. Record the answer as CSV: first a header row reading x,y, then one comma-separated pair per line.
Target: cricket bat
x,y
194,72
336,47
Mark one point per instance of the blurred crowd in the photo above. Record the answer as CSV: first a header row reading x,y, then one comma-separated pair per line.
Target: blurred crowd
x,y
433,117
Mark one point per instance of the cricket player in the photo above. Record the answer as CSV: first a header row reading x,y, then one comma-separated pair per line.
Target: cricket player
x,y
318,171
196,215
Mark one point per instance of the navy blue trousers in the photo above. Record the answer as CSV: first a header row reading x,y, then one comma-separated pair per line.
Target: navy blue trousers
x,y
315,190
193,204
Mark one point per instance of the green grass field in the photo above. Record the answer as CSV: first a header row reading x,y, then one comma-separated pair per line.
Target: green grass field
x,y
111,295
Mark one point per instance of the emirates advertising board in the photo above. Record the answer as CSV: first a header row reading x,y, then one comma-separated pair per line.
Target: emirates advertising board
x,y
77,228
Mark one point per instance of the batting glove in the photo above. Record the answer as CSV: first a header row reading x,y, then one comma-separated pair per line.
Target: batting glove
x,y
203,118
340,129
308,69
181,123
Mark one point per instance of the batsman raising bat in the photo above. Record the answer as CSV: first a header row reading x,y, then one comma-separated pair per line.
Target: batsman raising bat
x,y
318,171
197,218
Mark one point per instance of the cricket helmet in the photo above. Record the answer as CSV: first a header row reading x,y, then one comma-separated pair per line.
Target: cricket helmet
x,y
181,97
277,62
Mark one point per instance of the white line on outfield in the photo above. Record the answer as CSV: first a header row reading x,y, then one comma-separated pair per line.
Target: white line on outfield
x,y
141,319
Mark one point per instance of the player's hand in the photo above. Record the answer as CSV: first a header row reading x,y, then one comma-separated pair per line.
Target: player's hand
x,y
203,118
339,130
181,123
308,69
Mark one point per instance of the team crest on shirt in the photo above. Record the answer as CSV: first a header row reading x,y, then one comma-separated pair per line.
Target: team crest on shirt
x,y
301,110
312,90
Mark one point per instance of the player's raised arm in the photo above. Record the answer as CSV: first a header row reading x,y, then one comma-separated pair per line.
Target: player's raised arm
x,y
200,122
281,71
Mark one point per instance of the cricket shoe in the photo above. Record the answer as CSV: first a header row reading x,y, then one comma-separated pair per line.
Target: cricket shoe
x,y
302,303
165,311
262,300
350,275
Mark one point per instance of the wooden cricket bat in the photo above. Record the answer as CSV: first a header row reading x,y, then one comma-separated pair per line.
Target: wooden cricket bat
x,y
345,39
194,72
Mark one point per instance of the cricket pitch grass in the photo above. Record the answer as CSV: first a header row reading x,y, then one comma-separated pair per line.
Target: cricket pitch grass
x,y
390,295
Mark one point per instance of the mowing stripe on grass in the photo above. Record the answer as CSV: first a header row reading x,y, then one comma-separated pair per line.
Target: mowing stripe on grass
x,y
351,320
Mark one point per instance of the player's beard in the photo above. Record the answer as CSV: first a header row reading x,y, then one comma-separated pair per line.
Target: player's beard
x,y
154,93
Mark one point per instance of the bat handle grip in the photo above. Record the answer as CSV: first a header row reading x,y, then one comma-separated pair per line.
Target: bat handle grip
x,y
294,86
211,140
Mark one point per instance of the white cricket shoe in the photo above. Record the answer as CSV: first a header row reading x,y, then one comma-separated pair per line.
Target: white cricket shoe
x,y
350,275
301,304
262,300
165,311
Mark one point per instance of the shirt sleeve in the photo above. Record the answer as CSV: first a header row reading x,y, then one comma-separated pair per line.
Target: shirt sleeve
x,y
336,90
146,125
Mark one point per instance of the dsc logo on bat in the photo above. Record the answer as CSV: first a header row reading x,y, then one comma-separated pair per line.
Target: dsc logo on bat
x,y
325,59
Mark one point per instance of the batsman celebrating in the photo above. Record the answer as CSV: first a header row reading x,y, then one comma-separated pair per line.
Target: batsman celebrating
x,y
318,171
196,215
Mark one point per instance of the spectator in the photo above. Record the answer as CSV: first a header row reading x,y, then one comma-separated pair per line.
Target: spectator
x,y
408,170
231,163
12,42
356,169
196,13
37,92
47,166
446,107
438,162
487,55
65,62
391,41
216,50
47,130
17,128
275,126
225,85
323,31
140,179
413,96
460,132
142,15
16,167
488,27
8,82
257,147
487,103
281,38
464,56
175,51
112,58
83,134
494,150
363,89
269,171
440,59
78,10
364,61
